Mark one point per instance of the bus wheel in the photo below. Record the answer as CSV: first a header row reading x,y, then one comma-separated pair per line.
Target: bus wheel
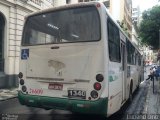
x,y
139,81
130,94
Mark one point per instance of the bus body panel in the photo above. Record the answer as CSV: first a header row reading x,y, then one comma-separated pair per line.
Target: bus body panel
x,y
115,93
69,67
134,76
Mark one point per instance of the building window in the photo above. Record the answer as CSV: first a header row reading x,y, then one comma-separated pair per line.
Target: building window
x,y
80,0
37,2
84,0
68,1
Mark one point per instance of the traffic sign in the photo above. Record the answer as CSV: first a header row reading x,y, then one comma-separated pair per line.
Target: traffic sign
x,y
24,54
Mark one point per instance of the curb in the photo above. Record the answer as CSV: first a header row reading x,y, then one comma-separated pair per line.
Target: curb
x,y
146,109
8,98
6,94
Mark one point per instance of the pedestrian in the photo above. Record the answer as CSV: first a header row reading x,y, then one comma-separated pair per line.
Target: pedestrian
x,y
151,75
157,72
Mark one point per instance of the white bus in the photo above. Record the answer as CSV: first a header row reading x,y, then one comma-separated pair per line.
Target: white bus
x,y
76,58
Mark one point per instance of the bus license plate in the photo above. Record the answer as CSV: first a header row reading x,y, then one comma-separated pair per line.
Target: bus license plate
x,y
55,86
77,94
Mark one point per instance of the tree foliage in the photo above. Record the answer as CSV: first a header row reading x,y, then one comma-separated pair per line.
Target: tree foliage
x,y
150,26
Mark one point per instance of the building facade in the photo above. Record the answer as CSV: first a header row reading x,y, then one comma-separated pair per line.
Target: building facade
x,y
128,17
135,24
121,11
12,15
64,2
148,56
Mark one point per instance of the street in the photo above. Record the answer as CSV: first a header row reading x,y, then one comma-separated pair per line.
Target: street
x,y
12,108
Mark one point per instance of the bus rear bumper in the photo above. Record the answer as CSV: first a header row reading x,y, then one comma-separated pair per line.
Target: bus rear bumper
x,y
98,107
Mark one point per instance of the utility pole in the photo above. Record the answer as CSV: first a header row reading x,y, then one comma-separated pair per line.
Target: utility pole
x,y
159,39
158,55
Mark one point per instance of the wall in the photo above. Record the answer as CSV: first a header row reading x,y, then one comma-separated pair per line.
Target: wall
x,y
14,13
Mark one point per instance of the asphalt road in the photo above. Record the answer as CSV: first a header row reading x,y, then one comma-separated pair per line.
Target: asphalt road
x,y
14,110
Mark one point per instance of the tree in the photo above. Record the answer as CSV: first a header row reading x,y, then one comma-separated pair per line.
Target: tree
x,y
150,26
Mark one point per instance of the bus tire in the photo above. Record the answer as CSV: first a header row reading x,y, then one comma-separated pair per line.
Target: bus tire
x,y
130,93
139,81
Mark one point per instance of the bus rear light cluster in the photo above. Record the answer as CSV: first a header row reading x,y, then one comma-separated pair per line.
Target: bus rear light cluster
x,y
21,82
97,86
99,77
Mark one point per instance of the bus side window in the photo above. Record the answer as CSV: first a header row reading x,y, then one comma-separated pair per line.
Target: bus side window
x,y
130,53
113,42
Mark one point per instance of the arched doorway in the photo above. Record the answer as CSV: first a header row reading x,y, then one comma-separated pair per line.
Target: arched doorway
x,y
2,24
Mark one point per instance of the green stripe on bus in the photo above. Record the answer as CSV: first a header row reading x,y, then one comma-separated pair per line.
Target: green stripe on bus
x,y
98,107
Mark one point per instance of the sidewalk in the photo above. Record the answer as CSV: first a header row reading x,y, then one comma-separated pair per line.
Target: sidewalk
x,y
8,93
152,105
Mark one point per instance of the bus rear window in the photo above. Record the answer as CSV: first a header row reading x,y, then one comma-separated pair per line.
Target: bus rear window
x,y
63,26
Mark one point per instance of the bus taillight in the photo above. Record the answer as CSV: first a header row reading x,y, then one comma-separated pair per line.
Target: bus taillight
x,y
99,77
94,94
21,82
20,75
24,88
97,86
